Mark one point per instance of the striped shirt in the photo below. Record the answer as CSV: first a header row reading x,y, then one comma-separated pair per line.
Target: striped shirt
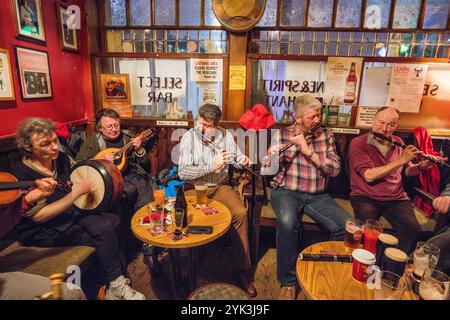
x,y
196,159
297,172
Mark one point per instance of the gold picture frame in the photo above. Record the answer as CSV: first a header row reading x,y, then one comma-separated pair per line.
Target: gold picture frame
x,y
68,37
116,93
29,20
6,79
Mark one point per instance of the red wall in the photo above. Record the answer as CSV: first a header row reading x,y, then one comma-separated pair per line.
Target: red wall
x,y
69,71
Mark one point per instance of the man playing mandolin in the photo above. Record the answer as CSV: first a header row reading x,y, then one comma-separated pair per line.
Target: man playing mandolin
x,y
134,164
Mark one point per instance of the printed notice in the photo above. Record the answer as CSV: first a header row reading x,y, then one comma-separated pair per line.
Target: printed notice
x,y
206,70
406,86
237,77
364,117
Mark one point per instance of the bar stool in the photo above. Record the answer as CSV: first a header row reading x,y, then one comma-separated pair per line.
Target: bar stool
x,y
219,291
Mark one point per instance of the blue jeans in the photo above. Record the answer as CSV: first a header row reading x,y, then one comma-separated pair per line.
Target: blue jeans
x,y
288,205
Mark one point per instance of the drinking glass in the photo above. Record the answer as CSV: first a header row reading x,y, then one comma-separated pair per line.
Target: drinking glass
x,y
201,194
156,219
391,286
372,230
354,229
435,285
159,194
426,256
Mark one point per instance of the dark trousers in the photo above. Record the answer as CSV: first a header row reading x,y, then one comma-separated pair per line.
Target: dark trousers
x,y
399,213
442,240
92,230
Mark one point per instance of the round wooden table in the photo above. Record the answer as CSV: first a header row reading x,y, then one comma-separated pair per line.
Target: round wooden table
x,y
220,222
333,280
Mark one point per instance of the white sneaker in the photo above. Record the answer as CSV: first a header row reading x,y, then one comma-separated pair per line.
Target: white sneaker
x,y
119,289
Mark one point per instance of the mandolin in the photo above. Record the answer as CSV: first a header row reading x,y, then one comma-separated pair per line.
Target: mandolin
x,y
120,155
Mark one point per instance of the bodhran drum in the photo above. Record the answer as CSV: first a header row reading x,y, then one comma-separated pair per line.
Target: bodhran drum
x,y
108,183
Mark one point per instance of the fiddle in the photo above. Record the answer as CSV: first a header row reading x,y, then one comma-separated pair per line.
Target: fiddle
x,y
10,187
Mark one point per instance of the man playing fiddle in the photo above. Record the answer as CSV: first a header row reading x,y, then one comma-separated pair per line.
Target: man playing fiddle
x,y
376,178
300,185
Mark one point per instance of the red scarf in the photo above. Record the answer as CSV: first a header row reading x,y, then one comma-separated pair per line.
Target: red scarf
x,y
429,179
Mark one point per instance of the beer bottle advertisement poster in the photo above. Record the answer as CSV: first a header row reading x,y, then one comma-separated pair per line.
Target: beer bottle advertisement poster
x,y
406,86
342,82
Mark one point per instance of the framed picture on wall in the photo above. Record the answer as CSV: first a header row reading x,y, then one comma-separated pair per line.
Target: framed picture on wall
x,y
116,93
6,79
67,35
34,73
29,19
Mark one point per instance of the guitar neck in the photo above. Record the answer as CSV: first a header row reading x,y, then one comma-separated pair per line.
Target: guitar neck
x,y
125,148
16,185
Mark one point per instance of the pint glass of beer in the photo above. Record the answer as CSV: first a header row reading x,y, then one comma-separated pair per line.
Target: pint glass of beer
x,y
354,229
200,194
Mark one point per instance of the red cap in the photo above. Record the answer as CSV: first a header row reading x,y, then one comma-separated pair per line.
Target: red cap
x,y
257,118
62,130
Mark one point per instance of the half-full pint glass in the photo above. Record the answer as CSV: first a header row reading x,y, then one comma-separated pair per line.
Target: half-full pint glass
x,y
354,229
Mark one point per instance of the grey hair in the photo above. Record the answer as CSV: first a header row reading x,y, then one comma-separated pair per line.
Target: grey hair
x,y
28,128
304,102
385,108
210,112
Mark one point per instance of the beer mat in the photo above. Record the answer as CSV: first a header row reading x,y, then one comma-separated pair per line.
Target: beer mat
x,y
172,236
206,210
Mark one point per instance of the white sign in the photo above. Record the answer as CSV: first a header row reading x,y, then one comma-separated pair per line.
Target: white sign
x,y
406,86
364,117
207,70
375,86
172,123
138,71
172,77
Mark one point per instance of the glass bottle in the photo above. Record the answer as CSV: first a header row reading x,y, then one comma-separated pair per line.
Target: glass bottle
x,y
350,85
180,202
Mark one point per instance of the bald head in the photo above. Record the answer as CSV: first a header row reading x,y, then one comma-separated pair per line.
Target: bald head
x,y
386,120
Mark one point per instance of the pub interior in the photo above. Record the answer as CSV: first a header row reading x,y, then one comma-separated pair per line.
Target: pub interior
x,y
224,150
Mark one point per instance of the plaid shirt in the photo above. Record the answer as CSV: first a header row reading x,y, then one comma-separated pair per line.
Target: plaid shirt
x,y
297,172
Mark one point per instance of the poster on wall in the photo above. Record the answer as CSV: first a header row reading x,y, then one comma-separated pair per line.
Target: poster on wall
x,y
116,93
364,116
139,73
406,86
6,79
29,19
34,73
67,36
342,83
237,78
206,70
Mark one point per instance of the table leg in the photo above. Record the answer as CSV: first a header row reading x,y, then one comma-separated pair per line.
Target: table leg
x,y
193,252
175,274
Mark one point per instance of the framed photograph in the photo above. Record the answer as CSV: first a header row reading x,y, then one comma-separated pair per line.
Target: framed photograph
x,y
116,93
68,37
34,73
6,79
29,19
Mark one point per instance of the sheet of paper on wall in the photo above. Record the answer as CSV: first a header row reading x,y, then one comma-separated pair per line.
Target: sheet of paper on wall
x,y
364,116
206,70
375,86
406,86
342,82
139,71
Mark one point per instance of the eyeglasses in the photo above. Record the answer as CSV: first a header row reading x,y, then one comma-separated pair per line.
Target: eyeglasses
x,y
391,125
111,126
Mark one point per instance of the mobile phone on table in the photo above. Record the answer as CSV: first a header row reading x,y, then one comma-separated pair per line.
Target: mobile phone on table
x,y
200,229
